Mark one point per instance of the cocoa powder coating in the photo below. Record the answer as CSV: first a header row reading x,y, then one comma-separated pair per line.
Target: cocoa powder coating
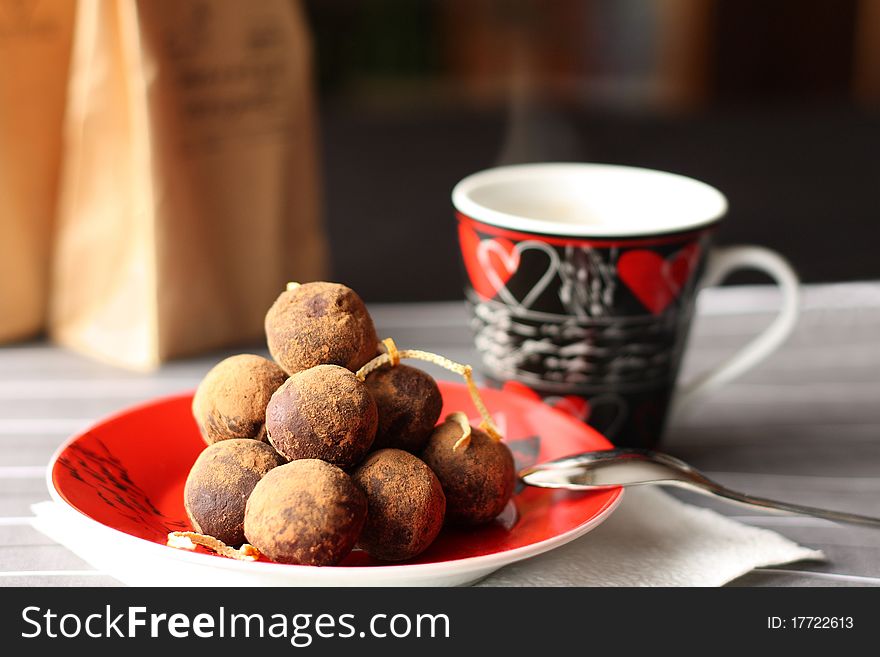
x,y
478,480
220,482
231,400
326,413
320,323
405,505
306,512
409,403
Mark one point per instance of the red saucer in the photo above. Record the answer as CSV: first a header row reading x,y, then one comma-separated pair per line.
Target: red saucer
x,y
128,471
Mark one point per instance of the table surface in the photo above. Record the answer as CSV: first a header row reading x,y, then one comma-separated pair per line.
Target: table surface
x,y
803,426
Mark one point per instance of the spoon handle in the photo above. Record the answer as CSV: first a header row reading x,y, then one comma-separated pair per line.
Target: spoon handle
x,y
751,500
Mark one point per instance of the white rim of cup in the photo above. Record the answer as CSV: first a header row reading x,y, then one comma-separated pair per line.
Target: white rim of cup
x,y
687,203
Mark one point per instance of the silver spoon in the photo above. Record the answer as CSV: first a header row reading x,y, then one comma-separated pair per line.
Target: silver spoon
x,y
635,467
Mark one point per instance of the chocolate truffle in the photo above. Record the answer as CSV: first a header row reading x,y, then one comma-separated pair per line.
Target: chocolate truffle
x,y
409,404
405,505
231,400
220,482
306,512
326,413
320,323
478,480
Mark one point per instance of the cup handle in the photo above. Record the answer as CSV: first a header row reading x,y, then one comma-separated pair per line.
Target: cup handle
x,y
719,264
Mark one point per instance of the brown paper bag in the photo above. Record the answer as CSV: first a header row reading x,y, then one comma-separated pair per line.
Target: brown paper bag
x,y
34,57
190,189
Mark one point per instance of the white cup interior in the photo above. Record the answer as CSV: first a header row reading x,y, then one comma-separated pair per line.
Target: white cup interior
x,y
589,200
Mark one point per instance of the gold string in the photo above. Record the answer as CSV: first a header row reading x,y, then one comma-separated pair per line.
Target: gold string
x,y
464,423
465,371
391,350
189,540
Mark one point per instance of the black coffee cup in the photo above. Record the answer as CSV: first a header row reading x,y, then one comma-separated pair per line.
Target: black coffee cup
x,y
581,280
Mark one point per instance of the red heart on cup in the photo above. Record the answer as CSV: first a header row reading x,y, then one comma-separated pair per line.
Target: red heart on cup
x,y
489,263
656,281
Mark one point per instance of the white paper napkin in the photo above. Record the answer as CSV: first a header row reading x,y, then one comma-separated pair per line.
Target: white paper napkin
x,y
652,539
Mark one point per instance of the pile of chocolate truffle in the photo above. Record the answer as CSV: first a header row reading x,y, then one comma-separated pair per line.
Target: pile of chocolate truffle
x,y
306,461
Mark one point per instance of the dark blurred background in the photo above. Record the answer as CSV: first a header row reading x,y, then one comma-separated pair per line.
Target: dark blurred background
x,y
775,103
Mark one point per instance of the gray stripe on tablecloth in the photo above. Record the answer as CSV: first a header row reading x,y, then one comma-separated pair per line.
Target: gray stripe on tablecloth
x,y
59,578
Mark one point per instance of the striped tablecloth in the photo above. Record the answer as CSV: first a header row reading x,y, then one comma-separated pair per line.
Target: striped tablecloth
x,y
803,426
